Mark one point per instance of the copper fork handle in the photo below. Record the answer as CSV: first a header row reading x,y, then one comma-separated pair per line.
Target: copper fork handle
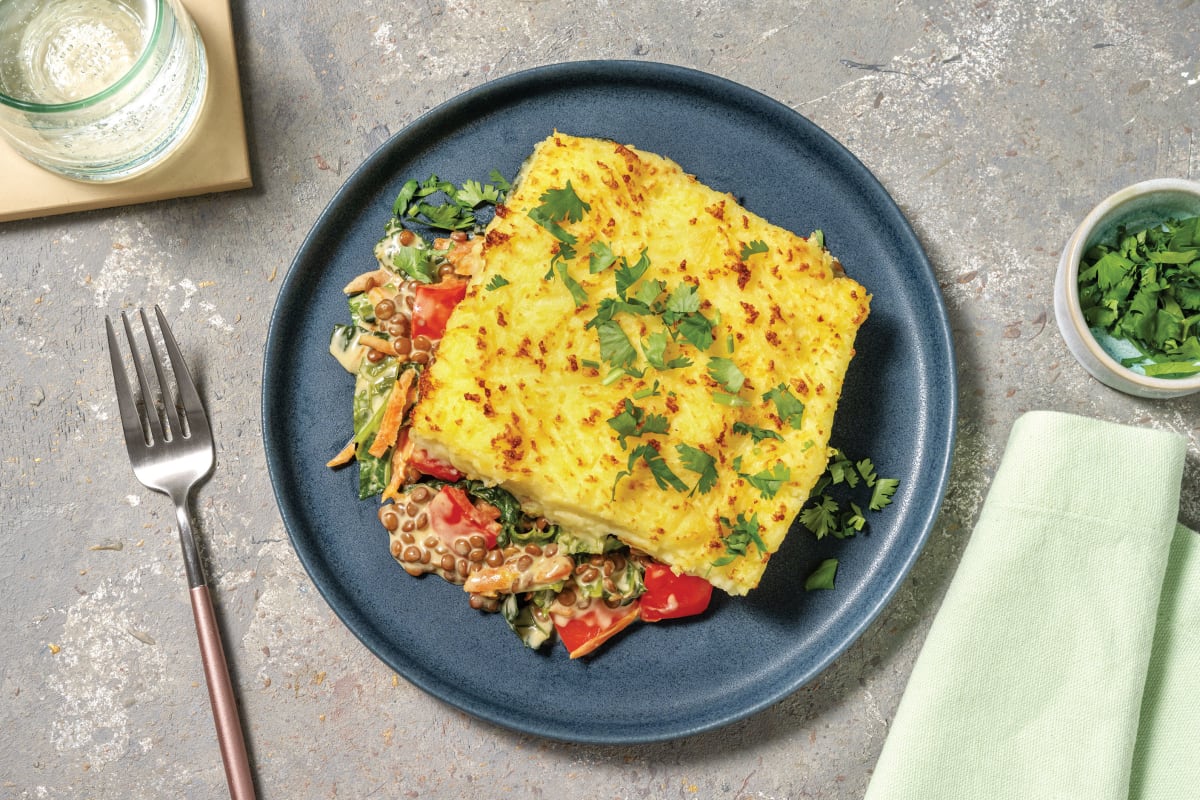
x,y
220,692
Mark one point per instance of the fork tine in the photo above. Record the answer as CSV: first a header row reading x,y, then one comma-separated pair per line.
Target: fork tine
x,y
172,413
193,408
151,415
130,421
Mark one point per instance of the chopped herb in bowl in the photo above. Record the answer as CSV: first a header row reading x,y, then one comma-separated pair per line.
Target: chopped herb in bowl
x,y
1144,290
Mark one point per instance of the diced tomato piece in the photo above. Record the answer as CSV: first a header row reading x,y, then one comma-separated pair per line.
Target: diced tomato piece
x,y
432,304
433,467
453,516
669,595
585,632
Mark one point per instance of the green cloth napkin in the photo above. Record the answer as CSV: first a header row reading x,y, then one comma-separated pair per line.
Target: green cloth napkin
x,y
1065,659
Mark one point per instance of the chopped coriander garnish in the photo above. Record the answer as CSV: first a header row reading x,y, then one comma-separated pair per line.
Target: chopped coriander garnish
x,y
787,405
822,577
560,205
626,275
662,474
820,516
457,212
755,247
741,534
614,345
654,348
701,463
842,470
817,237
755,433
474,194
634,421
496,282
587,362
854,519
824,515
726,373
768,482
648,293
602,257
881,498
573,286
1145,289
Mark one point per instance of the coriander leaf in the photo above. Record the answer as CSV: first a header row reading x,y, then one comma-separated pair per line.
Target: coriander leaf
x,y
573,286
755,433
696,329
415,262
614,345
500,182
407,192
496,282
563,204
662,474
541,217
649,292
867,470
768,482
700,462
821,516
822,577
881,498
626,275
447,216
726,373
789,408
817,237
607,309
757,246
851,522
654,348
841,470
634,421
474,194
684,299
602,257
742,534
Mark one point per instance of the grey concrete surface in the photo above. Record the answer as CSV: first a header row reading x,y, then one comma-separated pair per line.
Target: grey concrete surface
x,y
996,125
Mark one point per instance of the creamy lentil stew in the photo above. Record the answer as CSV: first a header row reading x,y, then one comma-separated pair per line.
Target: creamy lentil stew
x,y
541,578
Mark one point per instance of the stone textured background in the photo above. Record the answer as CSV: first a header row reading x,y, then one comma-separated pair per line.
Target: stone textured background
x,y
995,124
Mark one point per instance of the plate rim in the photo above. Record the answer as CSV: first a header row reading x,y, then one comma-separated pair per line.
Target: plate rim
x,y
619,71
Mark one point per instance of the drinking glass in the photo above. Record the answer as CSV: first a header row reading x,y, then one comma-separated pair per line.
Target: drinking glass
x,y
99,90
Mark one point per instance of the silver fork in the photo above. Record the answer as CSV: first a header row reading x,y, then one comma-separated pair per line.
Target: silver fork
x,y
171,455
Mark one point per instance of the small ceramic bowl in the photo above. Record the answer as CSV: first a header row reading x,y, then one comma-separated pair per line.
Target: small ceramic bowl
x,y
1136,207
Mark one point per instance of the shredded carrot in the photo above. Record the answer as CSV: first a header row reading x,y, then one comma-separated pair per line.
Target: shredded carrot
x,y
378,343
393,415
344,456
366,280
400,457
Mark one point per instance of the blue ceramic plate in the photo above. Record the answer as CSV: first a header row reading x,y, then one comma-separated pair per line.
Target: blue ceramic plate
x,y
656,681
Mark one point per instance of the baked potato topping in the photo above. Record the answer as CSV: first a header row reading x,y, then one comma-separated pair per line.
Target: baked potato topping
x,y
638,355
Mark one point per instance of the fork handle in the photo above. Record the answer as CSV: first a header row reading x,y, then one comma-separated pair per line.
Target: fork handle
x,y
220,693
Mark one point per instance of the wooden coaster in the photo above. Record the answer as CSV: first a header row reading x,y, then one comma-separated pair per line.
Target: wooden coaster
x,y
214,158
